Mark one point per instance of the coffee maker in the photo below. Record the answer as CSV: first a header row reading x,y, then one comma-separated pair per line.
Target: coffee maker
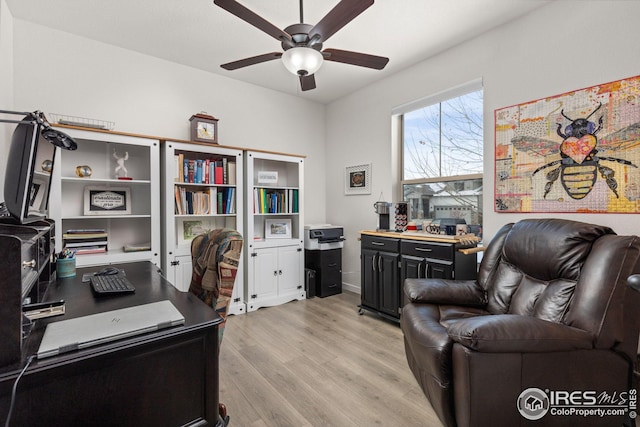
x,y
383,211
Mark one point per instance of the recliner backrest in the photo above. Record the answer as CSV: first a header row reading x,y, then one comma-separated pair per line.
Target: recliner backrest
x,y
566,272
536,265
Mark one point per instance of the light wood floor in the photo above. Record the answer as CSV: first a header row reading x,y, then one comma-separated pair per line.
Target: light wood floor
x,y
318,363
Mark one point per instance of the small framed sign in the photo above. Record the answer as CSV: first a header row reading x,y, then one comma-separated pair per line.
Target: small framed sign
x,y
107,201
268,177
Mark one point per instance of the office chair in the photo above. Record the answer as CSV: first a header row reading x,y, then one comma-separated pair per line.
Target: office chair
x,y
215,256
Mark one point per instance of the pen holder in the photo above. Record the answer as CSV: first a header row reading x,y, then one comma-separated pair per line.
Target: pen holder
x,y
66,267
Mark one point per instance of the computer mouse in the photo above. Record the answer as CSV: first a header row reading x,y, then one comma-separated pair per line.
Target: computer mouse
x,y
107,271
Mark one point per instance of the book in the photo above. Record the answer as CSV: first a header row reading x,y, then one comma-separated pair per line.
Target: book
x,y
137,248
85,230
219,174
71,245
179,209
191,171
232,171
199,173
225,171
91,250
83,236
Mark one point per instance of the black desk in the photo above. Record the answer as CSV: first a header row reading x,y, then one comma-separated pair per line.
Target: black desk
x,y
165,378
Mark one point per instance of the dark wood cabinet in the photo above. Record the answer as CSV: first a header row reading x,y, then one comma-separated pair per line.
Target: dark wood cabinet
x,y
380,281
387,261
25,272
328,267
437,260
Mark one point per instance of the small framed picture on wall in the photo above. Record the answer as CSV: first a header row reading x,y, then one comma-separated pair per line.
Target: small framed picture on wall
x,y
358,179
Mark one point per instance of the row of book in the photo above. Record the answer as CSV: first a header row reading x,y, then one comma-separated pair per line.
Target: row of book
x,y
211,201
86,241
205,171
275,201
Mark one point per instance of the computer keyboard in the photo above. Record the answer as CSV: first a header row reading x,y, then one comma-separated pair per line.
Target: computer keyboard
x,y
111,284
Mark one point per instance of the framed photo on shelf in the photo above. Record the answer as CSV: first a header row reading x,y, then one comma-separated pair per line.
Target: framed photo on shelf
x,y
277,228
357,179
36,195
107,201
187,229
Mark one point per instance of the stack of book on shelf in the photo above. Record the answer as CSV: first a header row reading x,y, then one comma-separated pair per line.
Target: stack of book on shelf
x,y
275,201
205,171
86,241
211,201
137,247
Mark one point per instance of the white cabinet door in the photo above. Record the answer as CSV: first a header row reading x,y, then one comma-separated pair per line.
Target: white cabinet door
x,y
265,274
289,266
183,273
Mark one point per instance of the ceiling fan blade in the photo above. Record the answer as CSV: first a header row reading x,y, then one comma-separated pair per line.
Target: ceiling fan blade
x,y
252,18
355,58
251,61
307,82
343,13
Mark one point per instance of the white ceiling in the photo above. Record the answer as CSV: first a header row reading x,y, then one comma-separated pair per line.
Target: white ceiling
x,y
199,34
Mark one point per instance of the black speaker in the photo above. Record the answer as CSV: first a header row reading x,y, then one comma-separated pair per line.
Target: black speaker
x,y
310,282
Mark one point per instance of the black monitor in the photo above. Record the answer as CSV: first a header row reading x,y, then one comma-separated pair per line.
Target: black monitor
x,y
29,166
26,189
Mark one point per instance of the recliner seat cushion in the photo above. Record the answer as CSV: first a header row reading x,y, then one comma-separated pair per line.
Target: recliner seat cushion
x,y
425,328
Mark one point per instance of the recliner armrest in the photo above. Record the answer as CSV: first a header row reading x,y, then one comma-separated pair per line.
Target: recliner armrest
x,y
511,333
442,291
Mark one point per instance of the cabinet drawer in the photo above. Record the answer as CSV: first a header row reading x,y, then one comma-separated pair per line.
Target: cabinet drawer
x,y
435,250
386,244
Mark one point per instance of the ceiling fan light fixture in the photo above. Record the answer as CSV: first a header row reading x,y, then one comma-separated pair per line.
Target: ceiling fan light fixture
x,y
302,61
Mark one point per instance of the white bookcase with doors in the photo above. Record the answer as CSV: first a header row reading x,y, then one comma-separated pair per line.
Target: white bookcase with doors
x,y
274,240
111,220
202,190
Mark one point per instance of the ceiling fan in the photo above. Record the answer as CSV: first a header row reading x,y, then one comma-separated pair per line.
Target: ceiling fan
x,y
302,43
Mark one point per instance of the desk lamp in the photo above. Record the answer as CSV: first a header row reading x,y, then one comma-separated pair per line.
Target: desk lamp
x,y
54,136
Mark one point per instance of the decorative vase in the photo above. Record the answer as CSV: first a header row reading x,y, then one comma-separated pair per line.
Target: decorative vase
x,y
83,171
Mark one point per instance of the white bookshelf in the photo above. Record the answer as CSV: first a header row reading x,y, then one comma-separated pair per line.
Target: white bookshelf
x,y
141,226
274,223
223,210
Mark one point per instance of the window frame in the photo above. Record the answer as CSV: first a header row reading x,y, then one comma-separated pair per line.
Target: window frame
x,y
400,111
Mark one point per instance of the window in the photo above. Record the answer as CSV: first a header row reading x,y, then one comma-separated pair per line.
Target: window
x,y
442,156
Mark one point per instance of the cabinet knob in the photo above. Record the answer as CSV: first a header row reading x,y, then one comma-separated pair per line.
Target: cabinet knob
x,y
31,263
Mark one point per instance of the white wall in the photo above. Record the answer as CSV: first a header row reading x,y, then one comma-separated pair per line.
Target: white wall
x,y
76,76
560,47
6,82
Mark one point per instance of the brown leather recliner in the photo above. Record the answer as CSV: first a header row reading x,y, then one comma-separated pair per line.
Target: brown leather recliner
x,y
550,311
